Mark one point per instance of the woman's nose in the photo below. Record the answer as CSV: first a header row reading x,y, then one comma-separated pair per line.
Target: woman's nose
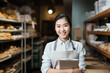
x,y
62,28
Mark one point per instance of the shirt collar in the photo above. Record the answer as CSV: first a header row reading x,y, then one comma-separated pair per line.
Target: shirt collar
x,y
61,42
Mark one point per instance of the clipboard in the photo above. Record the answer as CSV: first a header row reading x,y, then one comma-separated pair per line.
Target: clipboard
x,y
68,64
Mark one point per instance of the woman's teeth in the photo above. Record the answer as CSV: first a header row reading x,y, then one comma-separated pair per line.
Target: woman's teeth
x,y
63,33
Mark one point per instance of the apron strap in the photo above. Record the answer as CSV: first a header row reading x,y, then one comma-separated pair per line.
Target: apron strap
x,y
56,45
72,44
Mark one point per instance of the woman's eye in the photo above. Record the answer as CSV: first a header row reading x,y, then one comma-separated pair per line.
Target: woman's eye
x,y
65,25
58,26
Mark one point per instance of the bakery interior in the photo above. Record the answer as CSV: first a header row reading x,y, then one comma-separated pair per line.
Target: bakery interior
x,y
26,27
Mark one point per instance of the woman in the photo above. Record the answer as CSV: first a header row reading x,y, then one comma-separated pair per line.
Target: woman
x,y
62,47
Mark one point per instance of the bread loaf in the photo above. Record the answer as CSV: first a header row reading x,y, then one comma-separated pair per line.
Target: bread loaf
x,y
10,27
101,46
5,36
2,71
2,27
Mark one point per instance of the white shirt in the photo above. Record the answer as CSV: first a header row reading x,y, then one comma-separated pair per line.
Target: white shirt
x,y
62,46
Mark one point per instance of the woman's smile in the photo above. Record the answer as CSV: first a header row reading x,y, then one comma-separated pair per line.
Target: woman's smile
x,y
63,33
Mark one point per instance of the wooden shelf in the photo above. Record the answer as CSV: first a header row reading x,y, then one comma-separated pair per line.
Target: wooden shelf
x,y
6,30
9,20
105,53
99,32
103,14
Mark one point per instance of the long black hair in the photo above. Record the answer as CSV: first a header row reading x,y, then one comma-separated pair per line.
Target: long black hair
x,y
60,16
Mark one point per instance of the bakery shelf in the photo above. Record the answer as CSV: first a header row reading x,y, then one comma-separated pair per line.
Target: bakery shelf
x,y
5,40
27,37
28,58
18,70
9,20
9,57
6,30
105,53
9,40
5,59
17,38
99,32
103,14
13,55
28,49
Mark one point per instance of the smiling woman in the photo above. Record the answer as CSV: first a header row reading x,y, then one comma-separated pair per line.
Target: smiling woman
x,y
62,48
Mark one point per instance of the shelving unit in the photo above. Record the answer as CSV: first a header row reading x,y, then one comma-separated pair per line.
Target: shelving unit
x,y
28,40
25,55
100,50
95,19
7,46
37,53
103,14
99,32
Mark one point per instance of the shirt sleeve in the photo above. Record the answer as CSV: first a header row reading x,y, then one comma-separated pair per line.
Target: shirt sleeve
x,y
82,52
46,62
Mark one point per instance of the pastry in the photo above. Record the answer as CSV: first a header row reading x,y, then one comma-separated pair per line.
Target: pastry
x,y
2,71
1,15
2,26
10,27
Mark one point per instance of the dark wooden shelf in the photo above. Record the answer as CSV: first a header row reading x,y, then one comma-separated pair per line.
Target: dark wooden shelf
x,y
105,53
99,32
103,14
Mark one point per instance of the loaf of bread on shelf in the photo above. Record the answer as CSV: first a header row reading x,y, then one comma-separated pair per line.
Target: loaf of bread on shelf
x,y
10,27
4,55
2,26
2,71
101,46
9,70
109,49
14,50
5,36
5,15
105,46
1,15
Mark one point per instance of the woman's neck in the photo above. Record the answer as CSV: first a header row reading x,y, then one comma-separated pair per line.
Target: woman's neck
x,y
64,39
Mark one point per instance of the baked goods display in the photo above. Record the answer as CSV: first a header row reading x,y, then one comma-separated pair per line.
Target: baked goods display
x,y
9,14
12,14
1,14
6,26
11,67
4,36
9,70
13,30
9,27
11,51
105,46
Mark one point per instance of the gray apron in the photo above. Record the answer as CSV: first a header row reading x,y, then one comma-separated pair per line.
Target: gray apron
x,y
57,55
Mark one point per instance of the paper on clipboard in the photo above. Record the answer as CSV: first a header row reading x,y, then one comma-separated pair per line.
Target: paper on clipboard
x,y
68,63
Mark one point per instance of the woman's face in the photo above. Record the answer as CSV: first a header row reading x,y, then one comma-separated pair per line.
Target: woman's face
x,y
62,28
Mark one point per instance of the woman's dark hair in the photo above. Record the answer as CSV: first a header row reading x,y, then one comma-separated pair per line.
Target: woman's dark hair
x,y
60,16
